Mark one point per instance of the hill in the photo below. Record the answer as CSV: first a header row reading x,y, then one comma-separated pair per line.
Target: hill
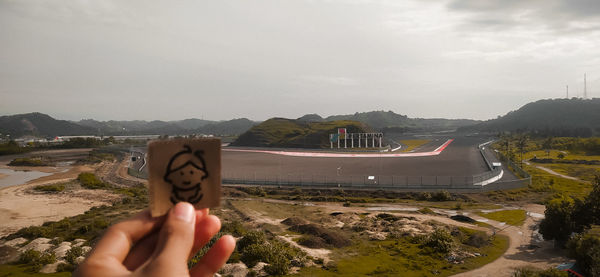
x,y
554,117
282,132
39,124
157,127
393,122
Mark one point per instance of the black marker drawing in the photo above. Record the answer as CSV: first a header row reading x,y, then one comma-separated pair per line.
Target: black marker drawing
x,y
185,172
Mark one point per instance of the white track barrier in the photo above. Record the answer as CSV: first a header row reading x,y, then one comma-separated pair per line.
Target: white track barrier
x,y
435,152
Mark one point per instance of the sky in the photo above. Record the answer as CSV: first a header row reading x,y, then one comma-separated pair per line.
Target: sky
x,y
218,60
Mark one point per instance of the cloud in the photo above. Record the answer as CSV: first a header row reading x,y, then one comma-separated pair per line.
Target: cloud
x,y
562,16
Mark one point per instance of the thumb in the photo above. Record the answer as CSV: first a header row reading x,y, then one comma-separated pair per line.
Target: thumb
x,y
177,235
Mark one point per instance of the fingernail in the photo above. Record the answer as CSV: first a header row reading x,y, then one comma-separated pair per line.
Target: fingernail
x,y
184,211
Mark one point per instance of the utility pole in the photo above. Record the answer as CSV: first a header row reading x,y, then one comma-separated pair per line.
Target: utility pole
x,y
567,91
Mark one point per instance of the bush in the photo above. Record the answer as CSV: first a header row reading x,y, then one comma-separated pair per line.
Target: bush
x,y
50,188
440,241
90,181
478,239
279,255
36,259
278,266
235,228
251,238
442,195
73,253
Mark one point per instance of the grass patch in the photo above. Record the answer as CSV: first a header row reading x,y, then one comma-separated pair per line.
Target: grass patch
x,y
511,217
402,257
52,188
411,144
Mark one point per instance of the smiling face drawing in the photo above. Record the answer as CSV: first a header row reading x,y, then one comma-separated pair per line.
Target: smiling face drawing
x,y
185,172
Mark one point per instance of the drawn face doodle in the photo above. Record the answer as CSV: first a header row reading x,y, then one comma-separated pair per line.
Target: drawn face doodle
x,y
185,172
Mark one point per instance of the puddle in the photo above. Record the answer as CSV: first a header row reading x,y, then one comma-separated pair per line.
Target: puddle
x,y
16,177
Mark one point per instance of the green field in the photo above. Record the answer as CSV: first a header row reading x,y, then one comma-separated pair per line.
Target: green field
x,y
510,217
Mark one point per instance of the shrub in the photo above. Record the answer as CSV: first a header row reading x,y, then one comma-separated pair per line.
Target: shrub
x,y
440,241
50,188
478,239
251,238
73,253
90,181
235,228
36,259
252,254
279,266
442,195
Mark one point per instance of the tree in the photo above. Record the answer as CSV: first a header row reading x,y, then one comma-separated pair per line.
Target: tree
x,y
585,248
558,223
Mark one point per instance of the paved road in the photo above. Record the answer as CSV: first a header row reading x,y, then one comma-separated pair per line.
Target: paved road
x,y
460,158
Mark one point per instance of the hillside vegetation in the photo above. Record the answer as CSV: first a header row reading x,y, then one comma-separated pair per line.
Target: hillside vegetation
x,y
281,132
393,122
552,117
38,124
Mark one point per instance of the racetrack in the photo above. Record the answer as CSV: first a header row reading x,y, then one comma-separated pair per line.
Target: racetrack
x,y
457,165
460,158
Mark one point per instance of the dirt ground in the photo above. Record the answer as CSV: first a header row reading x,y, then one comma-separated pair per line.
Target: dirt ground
x,y
21,207
526,248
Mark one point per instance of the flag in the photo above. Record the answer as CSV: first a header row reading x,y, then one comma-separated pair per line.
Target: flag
x,y
334,137
342,133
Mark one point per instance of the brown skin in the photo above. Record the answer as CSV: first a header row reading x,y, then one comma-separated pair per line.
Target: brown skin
x,y
147,246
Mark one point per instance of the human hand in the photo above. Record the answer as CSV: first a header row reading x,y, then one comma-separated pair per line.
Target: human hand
x,y
147,246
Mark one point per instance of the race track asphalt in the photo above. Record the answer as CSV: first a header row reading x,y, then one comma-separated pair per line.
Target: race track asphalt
x,y
460,158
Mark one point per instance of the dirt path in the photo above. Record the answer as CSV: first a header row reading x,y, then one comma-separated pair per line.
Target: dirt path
x,y
20,207
525,248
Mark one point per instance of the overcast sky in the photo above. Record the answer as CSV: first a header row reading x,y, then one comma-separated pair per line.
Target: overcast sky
x,y
169,60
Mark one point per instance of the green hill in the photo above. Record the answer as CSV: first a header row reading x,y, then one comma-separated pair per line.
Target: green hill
x,y
281,132
39,124
553,117
393,122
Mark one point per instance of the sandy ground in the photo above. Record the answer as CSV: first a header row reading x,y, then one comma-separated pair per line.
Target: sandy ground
x,y
2,175
20,207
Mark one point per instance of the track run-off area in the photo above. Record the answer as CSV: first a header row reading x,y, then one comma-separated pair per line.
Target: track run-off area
x,y
437,151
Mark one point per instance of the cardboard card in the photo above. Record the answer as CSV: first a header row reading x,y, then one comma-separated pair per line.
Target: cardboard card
x,y
186,170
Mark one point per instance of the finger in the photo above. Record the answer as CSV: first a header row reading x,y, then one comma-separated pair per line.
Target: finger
x,y
176,237
142,250
206,228
118,239
215,258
